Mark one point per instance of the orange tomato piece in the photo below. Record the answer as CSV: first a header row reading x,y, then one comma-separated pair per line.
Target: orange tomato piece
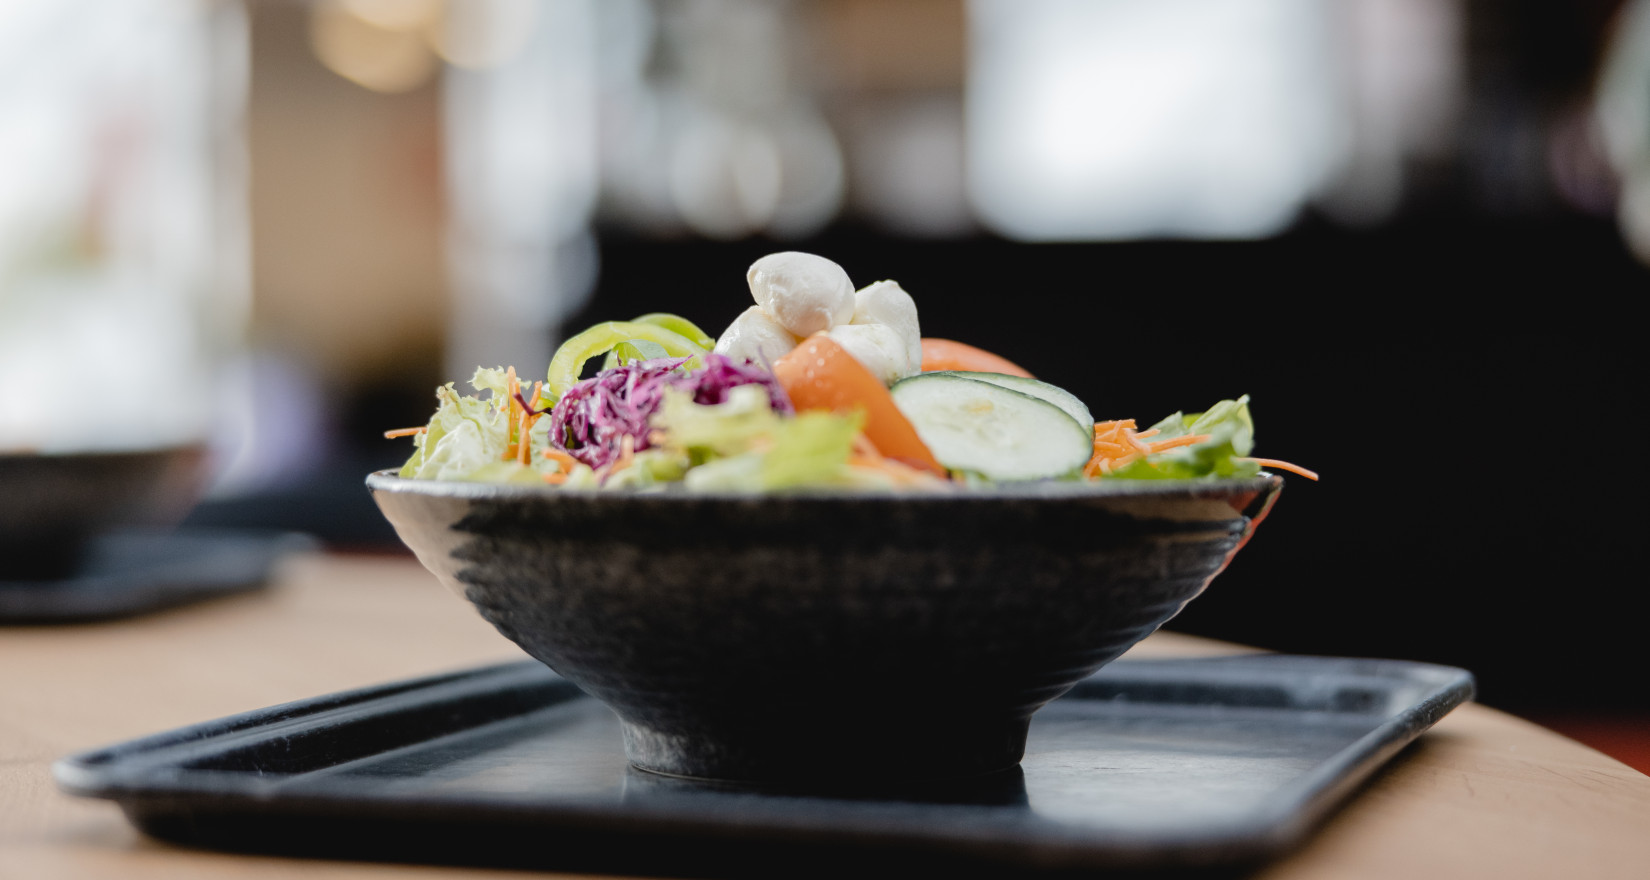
x,y
946,354
819,374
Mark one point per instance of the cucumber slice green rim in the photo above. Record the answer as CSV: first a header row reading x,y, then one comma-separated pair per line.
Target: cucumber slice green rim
x,y
1037,388
997,432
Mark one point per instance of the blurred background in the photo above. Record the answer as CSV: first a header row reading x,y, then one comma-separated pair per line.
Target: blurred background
x,y
1412,230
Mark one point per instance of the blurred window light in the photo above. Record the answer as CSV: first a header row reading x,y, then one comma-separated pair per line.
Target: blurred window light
x,y
892,79
395,15
478,34
397,45
521,168
724,176
375,44
1405,88
812,177
1111,119
719,134
909,164
1623,118
123,251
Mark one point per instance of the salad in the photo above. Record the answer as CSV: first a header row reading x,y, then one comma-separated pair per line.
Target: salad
x,y
818,385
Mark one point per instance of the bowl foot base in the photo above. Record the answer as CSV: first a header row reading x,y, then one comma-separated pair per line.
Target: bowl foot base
x,y
829,751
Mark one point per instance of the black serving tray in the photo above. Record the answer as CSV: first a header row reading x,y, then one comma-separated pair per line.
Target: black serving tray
x,y
1146,765
129,572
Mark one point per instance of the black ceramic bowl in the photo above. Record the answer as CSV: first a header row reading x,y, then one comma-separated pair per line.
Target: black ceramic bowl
x,y
826,636
51,504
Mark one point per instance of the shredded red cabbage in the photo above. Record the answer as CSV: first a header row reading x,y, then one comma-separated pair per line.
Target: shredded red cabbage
x,y
595,415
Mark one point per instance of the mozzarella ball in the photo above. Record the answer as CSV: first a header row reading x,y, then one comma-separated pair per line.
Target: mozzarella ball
x,y
877,346
755,337
803,292
885,302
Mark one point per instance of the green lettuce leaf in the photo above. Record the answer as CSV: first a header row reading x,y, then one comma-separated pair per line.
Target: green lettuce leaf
x,y
1224,453
724,429
496,380
649,469
742,445
810,449
465,434
508,472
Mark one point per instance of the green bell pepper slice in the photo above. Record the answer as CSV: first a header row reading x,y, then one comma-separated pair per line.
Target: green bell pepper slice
x,y
681,325
602,338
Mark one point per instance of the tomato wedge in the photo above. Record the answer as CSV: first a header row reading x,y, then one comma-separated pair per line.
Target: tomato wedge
x,y
946,354
820,374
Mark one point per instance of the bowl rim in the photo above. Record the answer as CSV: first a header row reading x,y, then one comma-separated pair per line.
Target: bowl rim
x,y
1263,484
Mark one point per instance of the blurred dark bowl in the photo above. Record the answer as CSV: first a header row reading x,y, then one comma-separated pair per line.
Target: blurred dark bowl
x,y
51,504
826,636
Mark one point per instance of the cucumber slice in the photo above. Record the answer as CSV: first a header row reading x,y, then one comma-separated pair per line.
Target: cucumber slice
x,y
1054,394
991,430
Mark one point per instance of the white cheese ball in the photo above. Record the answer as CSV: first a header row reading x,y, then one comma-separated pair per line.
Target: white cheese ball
x,y
803,292
886,303
877,346
755,337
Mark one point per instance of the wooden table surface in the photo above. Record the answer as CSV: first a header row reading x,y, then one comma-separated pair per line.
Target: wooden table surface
x,y
1483,795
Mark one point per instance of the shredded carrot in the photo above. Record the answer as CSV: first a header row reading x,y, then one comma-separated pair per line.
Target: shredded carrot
x,y
1176,442
512,448
566,461
1117,444
538,387
1284,466
522,445
1113,443
522,417
404,432
556,479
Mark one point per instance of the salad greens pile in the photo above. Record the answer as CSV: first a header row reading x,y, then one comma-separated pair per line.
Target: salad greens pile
x,y
721,427
778,404
649,424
